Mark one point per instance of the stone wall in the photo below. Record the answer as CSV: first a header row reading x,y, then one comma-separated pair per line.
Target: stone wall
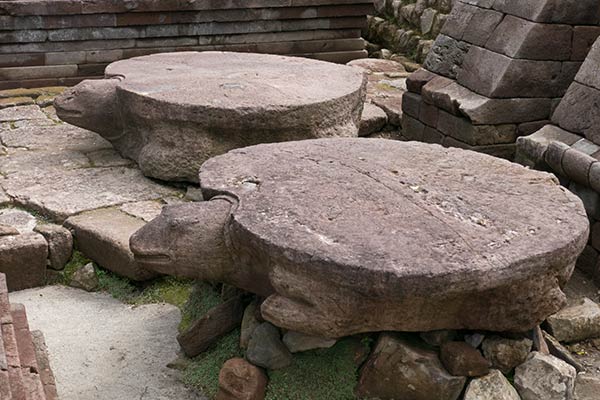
x,y
61,42
497,70
408,26
569,147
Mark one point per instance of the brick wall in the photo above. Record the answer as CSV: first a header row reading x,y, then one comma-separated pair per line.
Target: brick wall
x,y
61,42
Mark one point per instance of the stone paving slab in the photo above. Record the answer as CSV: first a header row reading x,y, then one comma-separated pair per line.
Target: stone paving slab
x,y
59,171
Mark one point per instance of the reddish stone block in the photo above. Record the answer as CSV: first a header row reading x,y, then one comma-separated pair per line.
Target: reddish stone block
x,y
23,337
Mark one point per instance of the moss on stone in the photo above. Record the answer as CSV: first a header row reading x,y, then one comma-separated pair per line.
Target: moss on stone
x,y
202,298
77,261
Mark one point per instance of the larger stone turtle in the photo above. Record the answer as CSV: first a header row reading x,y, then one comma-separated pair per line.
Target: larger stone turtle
x,y
171,112
354,235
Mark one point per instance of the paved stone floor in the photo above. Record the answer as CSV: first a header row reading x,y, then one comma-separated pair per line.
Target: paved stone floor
x,y
102,349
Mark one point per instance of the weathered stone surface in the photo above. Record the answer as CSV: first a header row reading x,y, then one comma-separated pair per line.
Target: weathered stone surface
x,y
60,244
217,322
61,193
493,386
545,377
475,135
249,323
11,114
459,100
265,348
433,192
588,73
103,235
577,12
507,78
398,369
519,38
297,342
587,386
249,99
23,260
446,56
21,220
578,111
371,66
240,380
560,351
576,322
373,120
85,278
146,210
531,149
461,359
505,354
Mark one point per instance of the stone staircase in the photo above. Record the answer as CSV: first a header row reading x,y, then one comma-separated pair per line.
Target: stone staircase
x,y
25,372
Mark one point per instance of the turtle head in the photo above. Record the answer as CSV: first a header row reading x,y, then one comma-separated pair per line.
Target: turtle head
x,y
186,240
93,105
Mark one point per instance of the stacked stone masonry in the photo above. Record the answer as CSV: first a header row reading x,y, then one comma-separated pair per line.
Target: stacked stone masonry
x,y
25,372
406,26
61,42
497,71
569,147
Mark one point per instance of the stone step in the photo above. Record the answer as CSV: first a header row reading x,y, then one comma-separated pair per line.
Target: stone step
x,y
24,369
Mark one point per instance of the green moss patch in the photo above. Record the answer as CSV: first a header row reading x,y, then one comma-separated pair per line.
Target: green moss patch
x,y
203,372
330,374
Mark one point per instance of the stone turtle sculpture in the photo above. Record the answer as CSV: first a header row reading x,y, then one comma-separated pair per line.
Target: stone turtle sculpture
x,y
171,112
354,235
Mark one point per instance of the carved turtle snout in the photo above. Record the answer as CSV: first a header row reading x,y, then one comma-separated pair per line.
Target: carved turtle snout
x,y
92,105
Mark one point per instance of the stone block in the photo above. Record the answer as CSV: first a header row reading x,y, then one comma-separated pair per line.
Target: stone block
x,y
434,85
577,165
446,56
458,20
373,119
576,322
583,39
519,38
585,12
418,79
429,115
398,369
529,128
103,235
481,26
23,260
412,128
505,77
411,104
588,73
588,261
432,135
475,135
579,112
533,147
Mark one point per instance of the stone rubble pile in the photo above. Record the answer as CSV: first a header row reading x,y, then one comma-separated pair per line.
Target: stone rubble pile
x,y
406,26
25,372
569,147
497,71
441,365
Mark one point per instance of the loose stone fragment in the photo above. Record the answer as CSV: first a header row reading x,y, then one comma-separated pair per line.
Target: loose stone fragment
x,y
545,377
461,359
493,386
85,278
60,244
249,323
265,348
240,380
398,369
373,120
576,322
297,342
587,386
23,260
505,354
